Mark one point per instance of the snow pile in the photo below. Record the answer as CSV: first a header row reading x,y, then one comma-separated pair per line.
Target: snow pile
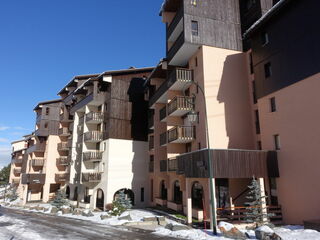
x,y
297,233
193,234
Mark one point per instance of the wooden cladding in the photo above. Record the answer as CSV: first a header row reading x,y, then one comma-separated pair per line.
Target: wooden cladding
x,y
35,178
228,164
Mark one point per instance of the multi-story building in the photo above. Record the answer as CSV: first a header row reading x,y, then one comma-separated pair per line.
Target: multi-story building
x,y
109,137
41,177
258,74
18,156
205,63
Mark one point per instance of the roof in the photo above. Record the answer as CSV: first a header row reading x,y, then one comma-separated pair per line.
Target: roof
x,y
266,17
16,141
78,77
46,102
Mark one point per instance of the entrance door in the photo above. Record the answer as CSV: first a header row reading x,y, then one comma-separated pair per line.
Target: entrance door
x,y
100,200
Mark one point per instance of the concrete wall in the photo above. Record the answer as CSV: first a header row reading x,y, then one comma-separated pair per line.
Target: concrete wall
x,y
297,123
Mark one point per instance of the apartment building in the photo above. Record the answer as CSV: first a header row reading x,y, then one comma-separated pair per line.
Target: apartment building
x,y
41,171
18,156
285,71
109,145
232,65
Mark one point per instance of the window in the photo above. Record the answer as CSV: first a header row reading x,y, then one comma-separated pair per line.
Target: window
x,y
196,61
250,4
276,142
47,111
142,194
199,146
264,38
267,70
251,64
254,92
273,107
194,28
259,146
46,125
257,122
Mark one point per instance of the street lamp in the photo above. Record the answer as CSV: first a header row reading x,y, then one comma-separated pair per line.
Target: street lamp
x,y
193,118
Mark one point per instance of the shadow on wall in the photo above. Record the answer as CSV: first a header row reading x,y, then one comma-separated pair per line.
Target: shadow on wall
x,y
234,93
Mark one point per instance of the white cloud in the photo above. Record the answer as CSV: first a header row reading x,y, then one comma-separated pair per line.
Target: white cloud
x,y
3,128
5,150
21,128
4,140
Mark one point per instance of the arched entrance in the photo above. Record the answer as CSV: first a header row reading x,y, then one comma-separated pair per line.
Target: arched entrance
x,y
197,195
163,190
177,194
68,192
75,194
100,199
128,192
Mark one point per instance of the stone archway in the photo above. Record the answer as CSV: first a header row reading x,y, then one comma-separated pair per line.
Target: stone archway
x,y
128,192
100,199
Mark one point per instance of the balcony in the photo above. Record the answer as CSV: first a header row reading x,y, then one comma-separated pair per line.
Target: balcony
x,y
34,178
61,177
65,117
37,162
15,180
92,156
94,117
163,139
179,79
181,134
91,177
17,171
180,106
151,143
18,161
163,166
42,132
172,165
38,147
63,146
63,161
93,136
64,132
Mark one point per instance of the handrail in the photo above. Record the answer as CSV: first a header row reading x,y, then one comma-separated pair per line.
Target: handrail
x,y
243,192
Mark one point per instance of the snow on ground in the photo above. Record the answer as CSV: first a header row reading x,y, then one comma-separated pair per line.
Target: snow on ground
x,y
137,215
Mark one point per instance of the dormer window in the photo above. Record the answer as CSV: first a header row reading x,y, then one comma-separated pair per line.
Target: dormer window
x,y
194,28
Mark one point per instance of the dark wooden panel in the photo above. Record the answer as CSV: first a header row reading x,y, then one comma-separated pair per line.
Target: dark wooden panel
x,y
227,164
292,52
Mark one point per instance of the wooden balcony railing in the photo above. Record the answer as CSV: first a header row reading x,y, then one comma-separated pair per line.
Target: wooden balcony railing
x,y
17,171
34,178
63,131
63,146
38,162
62,177
172,165
93,136
94,117
16,180
18,161
92,156
40,147
63,161
163,166
91,177
182,104
181,134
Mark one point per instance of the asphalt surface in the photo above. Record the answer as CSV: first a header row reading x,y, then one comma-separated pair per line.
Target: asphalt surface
x,y
22,225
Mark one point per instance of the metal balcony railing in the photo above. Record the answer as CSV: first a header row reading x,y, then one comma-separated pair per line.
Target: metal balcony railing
x,y
63,161
172,165
64,131
63,146
180,105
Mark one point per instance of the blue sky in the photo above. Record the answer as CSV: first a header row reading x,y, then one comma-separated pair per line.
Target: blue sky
x,y
43,44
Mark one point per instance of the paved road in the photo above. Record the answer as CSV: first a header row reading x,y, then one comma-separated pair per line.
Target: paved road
x,y
22,225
